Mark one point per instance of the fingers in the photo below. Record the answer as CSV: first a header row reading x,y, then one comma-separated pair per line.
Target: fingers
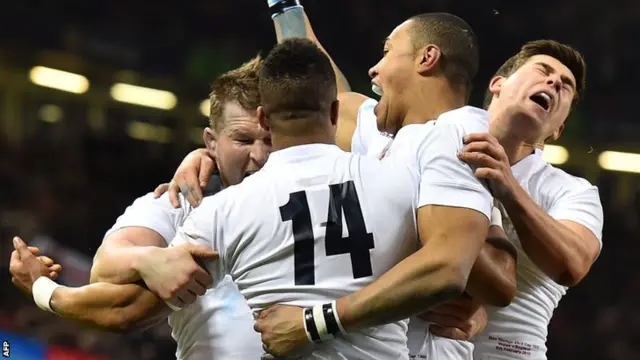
x,y
161,189
174,190
21,248
34,250
479,159
496,152
206,281
479,137
207,167
15,259
57,268
186,297
196,288
442,319
448,332
47,261
190,189
201,251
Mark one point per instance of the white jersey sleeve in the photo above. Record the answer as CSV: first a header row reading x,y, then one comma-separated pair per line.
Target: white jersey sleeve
x,y
199,228
577,201
155,214
444,178
366,128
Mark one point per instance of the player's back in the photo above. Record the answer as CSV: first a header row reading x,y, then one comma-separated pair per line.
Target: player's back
x,y
316,224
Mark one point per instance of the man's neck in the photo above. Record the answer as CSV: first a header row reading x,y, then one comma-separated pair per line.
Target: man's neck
x,y
514,144
431,101
279,141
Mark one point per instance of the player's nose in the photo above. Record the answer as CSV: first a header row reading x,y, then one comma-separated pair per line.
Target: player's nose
x,y
373,72
259,153
555,81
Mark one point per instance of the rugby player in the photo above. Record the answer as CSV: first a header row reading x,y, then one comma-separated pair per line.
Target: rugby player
x,y
133,257
557,216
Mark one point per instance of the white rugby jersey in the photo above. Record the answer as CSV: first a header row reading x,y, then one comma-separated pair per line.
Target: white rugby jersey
x,y
313,225
327,223
367,140
219,324
519,331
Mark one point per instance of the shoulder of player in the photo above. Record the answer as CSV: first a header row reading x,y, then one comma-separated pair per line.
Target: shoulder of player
x,y
468,119
555,183
235,195
149,201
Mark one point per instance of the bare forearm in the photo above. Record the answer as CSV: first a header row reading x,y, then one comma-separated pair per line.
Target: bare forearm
x,y
547,242
117,308
493,277
411,287
295,24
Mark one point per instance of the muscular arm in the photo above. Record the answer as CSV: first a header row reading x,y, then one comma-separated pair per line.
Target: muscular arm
x,y
295,23
493,277
452,239
563,249
350,102
117,258
117,308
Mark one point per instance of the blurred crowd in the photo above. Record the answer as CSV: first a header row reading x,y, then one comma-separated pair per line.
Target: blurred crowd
x,y
64,196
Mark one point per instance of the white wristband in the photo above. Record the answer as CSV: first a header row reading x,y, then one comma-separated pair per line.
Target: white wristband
x,y
42,290
321,324
496,217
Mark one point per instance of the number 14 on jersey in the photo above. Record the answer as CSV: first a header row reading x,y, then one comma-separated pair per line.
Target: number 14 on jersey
x,y
343,197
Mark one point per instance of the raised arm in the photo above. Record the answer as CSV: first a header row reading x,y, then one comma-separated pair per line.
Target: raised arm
x,y
118,308
290,20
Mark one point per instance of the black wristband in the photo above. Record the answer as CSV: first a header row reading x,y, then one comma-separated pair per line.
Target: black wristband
x,y
311,325
330,319
279,7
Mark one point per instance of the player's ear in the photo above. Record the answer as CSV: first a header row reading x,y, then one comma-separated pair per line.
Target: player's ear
x,y
209,138
262,118
495,86
428,59
335,110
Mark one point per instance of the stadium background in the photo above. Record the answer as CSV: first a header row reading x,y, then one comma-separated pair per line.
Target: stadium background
x,y
72,161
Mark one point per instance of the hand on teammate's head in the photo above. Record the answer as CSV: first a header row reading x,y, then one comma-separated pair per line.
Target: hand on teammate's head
x,y
191,177
25,266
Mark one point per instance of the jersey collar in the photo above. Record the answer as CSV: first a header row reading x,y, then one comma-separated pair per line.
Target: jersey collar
x,y
299,153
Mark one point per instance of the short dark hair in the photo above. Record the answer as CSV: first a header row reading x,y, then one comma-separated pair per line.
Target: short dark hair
x,y
459,54
297,81
240,85
567,55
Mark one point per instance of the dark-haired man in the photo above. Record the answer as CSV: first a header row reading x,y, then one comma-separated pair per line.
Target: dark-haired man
x,y
325,223
557,218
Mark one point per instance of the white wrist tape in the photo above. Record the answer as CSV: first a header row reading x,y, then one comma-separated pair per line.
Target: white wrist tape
x,y
321,324
42,290
496,217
